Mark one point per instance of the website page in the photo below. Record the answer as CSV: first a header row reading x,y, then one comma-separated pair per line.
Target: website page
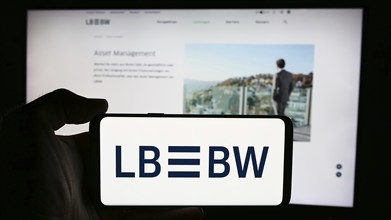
x,y
217,62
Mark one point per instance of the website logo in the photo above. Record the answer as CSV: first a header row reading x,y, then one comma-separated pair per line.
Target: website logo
x,y
97,21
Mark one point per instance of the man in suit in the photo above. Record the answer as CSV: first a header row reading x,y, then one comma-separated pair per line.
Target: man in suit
x,y
284,85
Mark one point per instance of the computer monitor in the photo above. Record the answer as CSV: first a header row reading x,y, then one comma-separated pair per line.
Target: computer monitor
x,y
216,61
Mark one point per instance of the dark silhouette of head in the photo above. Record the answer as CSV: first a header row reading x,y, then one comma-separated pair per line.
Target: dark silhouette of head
x,y
280,63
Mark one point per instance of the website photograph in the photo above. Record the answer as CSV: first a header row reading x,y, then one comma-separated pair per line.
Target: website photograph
x,y
241,79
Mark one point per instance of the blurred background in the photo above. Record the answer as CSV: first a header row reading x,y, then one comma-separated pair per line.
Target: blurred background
x,y
373,175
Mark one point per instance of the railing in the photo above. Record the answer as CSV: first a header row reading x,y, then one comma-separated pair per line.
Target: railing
x,y
248,100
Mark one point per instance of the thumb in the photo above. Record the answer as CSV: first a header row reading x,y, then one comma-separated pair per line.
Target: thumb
x,y
62,106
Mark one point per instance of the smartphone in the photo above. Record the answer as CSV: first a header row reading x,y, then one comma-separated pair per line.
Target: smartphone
x,y
187,160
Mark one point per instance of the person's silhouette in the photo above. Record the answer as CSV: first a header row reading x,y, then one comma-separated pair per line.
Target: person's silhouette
x,y
284,85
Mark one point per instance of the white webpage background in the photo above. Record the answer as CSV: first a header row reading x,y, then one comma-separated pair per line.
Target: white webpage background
x,y
60,52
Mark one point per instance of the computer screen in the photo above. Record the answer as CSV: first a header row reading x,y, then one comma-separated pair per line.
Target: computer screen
x,y
216,61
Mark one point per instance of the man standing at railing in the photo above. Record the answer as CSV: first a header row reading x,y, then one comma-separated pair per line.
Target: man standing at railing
x,y
284,85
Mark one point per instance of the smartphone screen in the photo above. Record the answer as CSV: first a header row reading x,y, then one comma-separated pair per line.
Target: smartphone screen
x,y
158,159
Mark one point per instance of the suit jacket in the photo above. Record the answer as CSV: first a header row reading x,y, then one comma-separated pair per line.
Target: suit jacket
x,y
284,84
